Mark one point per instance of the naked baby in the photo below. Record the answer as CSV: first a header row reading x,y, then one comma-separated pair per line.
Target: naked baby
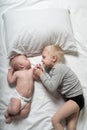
x,y
20,73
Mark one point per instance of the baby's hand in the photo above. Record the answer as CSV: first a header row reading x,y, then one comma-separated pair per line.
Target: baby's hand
x,y
38,71
39,67
10,70
35,77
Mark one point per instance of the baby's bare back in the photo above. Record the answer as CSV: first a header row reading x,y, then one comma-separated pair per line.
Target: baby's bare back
x,y
25,83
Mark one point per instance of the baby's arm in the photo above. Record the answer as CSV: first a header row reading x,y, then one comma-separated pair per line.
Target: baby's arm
x,y
11,77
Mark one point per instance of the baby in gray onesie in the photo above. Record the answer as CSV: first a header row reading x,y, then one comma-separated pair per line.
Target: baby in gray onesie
x,y
63,80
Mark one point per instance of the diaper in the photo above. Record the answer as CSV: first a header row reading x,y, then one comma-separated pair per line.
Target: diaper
x,y
23,100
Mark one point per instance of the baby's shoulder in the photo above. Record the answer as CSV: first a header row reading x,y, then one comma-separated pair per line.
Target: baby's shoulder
x,y
61,67
17,73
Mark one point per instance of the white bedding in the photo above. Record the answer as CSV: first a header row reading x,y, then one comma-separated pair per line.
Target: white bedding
x,y
44,105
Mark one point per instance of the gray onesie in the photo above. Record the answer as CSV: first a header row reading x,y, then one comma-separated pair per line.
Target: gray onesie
x,y
63,80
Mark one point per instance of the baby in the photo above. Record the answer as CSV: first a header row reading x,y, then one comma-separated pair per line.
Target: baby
x,y
20,73
63,80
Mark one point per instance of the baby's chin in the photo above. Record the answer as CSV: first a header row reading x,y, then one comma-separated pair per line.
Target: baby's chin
x,y
28,67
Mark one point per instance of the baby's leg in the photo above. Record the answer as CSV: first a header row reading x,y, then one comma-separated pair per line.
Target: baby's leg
x,y
69,109
24,112
14,106
71,121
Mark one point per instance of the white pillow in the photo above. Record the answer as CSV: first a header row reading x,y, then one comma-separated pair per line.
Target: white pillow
x,y
79,22
28,31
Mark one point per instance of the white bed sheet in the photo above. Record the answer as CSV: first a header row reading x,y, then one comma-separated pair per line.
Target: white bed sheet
x,y
43,104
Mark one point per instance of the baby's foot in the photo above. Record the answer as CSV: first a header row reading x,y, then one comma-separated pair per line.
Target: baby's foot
x,y
8,120
6,114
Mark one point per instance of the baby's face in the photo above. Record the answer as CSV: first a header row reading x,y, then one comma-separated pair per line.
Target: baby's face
x,y
47,59
21,62
25,62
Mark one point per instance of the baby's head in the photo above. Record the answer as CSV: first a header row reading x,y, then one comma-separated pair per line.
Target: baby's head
x,y
52,54
20,62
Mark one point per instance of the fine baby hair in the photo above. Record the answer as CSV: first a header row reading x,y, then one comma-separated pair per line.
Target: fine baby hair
x,y
55,50
19,62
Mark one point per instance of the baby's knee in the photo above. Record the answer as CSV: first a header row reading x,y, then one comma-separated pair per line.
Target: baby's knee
x,y
56,121
13,110
71,127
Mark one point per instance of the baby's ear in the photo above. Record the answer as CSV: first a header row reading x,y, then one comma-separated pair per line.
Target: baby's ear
x,y
20,66
54,58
